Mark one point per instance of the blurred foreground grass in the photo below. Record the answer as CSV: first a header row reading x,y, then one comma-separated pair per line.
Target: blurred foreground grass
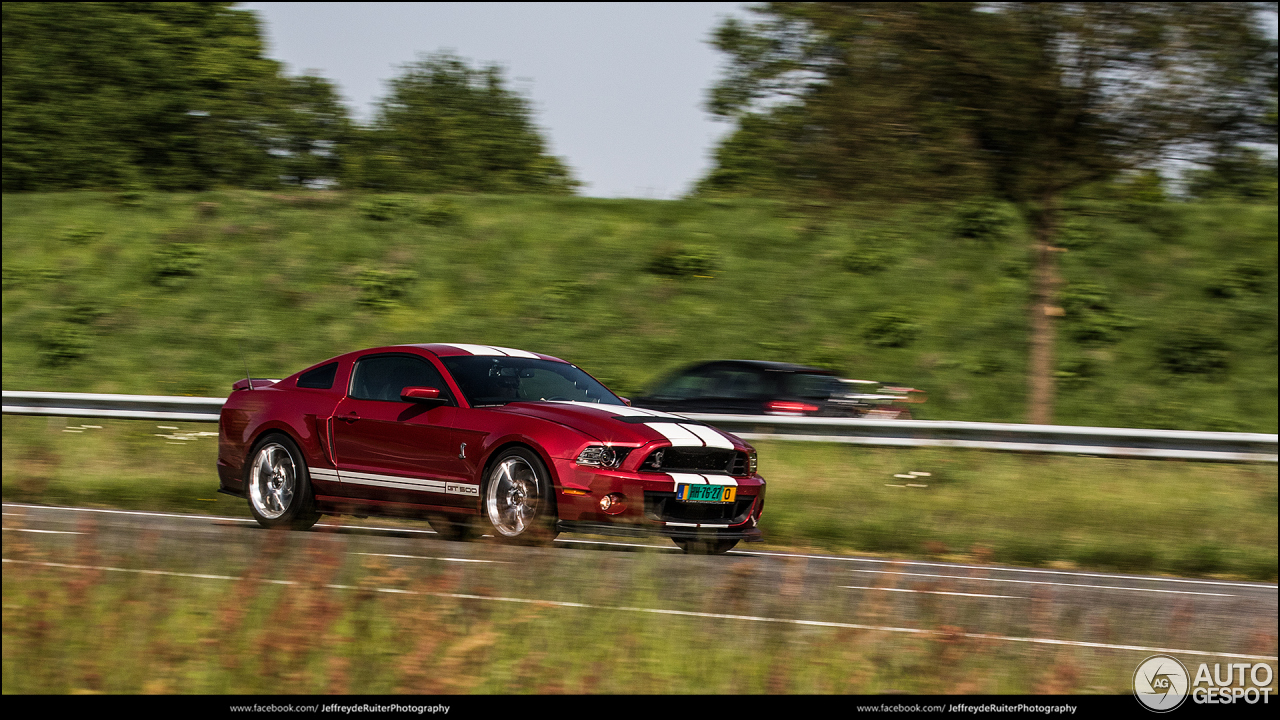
x,y
281,613
1184,518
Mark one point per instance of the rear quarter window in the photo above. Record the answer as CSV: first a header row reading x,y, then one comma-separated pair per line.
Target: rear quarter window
x,y
319,379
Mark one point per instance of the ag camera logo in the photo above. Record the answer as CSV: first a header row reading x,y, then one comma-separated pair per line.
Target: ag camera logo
x,y
1160,683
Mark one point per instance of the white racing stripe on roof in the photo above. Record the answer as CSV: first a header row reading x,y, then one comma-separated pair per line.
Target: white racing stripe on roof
x,y
515,353
477,349
677,434
710,436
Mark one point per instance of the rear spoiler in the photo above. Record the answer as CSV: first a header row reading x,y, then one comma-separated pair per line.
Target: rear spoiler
x,y
258,384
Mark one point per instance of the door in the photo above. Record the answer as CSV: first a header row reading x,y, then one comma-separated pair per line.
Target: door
x,y
396,451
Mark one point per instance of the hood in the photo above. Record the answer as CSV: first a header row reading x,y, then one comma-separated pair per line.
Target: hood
x,y
622,425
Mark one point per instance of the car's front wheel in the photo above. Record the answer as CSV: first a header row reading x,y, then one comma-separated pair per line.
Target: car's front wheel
x,y
278,485
518,501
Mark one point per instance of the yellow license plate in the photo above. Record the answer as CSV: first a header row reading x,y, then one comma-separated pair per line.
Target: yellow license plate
x,y
706,493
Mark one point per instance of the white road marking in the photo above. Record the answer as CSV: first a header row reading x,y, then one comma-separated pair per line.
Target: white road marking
x,y
424,557
999,568
684,613
47,532
931,592
1043,582
762,553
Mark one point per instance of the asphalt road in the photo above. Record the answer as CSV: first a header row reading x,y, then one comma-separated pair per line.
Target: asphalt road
x,y
1197,618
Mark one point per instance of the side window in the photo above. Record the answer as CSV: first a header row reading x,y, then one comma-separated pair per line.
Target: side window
x,y
382,377
810,386
740,384
696,384
319,379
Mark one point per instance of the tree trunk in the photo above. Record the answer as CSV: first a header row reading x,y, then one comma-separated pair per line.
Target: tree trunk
x,y
1044,309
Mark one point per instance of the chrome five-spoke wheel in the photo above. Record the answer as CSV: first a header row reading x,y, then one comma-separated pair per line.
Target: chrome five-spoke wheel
x,y
278,487
273,480
517,499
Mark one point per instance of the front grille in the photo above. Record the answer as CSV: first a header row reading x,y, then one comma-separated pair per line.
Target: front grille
x,y
665,506
698,460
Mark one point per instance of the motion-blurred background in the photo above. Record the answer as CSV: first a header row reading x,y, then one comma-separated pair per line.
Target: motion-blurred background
x,y
1054,213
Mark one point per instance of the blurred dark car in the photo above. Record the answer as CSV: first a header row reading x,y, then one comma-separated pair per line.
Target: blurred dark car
x,y
757,387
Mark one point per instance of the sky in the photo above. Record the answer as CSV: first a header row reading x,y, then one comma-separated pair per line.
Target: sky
x,y
618,89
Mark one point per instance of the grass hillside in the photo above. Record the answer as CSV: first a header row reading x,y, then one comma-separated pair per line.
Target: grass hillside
x,y
1170,309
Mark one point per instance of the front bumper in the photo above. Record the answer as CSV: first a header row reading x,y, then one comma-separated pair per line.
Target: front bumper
x,y
651,505
670,530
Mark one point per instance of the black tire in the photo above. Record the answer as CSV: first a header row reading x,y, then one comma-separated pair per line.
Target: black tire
x,y
517,501
278,485
705,547
458,528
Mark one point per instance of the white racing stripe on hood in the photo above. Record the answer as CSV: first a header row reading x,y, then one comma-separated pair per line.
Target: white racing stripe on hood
x,y
677,434
681,434
710,436
622,410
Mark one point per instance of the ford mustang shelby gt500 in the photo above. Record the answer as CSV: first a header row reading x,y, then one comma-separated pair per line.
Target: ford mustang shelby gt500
x,y
475,438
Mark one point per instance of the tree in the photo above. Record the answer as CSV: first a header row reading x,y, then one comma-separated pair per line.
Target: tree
x,y
174,95
1025,100
311,132
446,127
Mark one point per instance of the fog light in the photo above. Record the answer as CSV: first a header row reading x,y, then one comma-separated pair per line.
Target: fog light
x,y
613,503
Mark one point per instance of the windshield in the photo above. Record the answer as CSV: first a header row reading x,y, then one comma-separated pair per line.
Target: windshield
x,y
486,380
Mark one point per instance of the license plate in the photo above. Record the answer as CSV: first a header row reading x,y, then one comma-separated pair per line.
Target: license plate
x,y
706,493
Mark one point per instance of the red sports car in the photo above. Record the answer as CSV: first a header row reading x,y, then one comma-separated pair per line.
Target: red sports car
x,y
475,438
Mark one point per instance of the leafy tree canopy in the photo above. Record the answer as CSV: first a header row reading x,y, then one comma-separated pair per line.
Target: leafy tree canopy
x,y
447,127
172,94
1023,99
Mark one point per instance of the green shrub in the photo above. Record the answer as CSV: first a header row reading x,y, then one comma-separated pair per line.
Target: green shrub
x,y
980,219
1193,352
867,260
173,263
1247,277
683,260
63,343
1076,234
382,289
79,236
439,212
890,329
383,208
1091,317
131,195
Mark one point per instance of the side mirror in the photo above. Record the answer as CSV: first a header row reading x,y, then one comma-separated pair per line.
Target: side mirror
x,y
625,401
428,395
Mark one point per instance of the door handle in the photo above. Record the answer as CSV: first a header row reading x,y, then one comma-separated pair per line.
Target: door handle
x,y
349,417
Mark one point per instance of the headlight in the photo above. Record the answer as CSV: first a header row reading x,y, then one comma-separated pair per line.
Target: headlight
x,y
751,463
603,456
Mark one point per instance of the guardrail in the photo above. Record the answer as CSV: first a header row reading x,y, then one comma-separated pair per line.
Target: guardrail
x,y
1071,439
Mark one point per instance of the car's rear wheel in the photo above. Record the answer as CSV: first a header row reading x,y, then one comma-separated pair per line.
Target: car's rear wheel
x,y
278,485
706,547
458,527
518,502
